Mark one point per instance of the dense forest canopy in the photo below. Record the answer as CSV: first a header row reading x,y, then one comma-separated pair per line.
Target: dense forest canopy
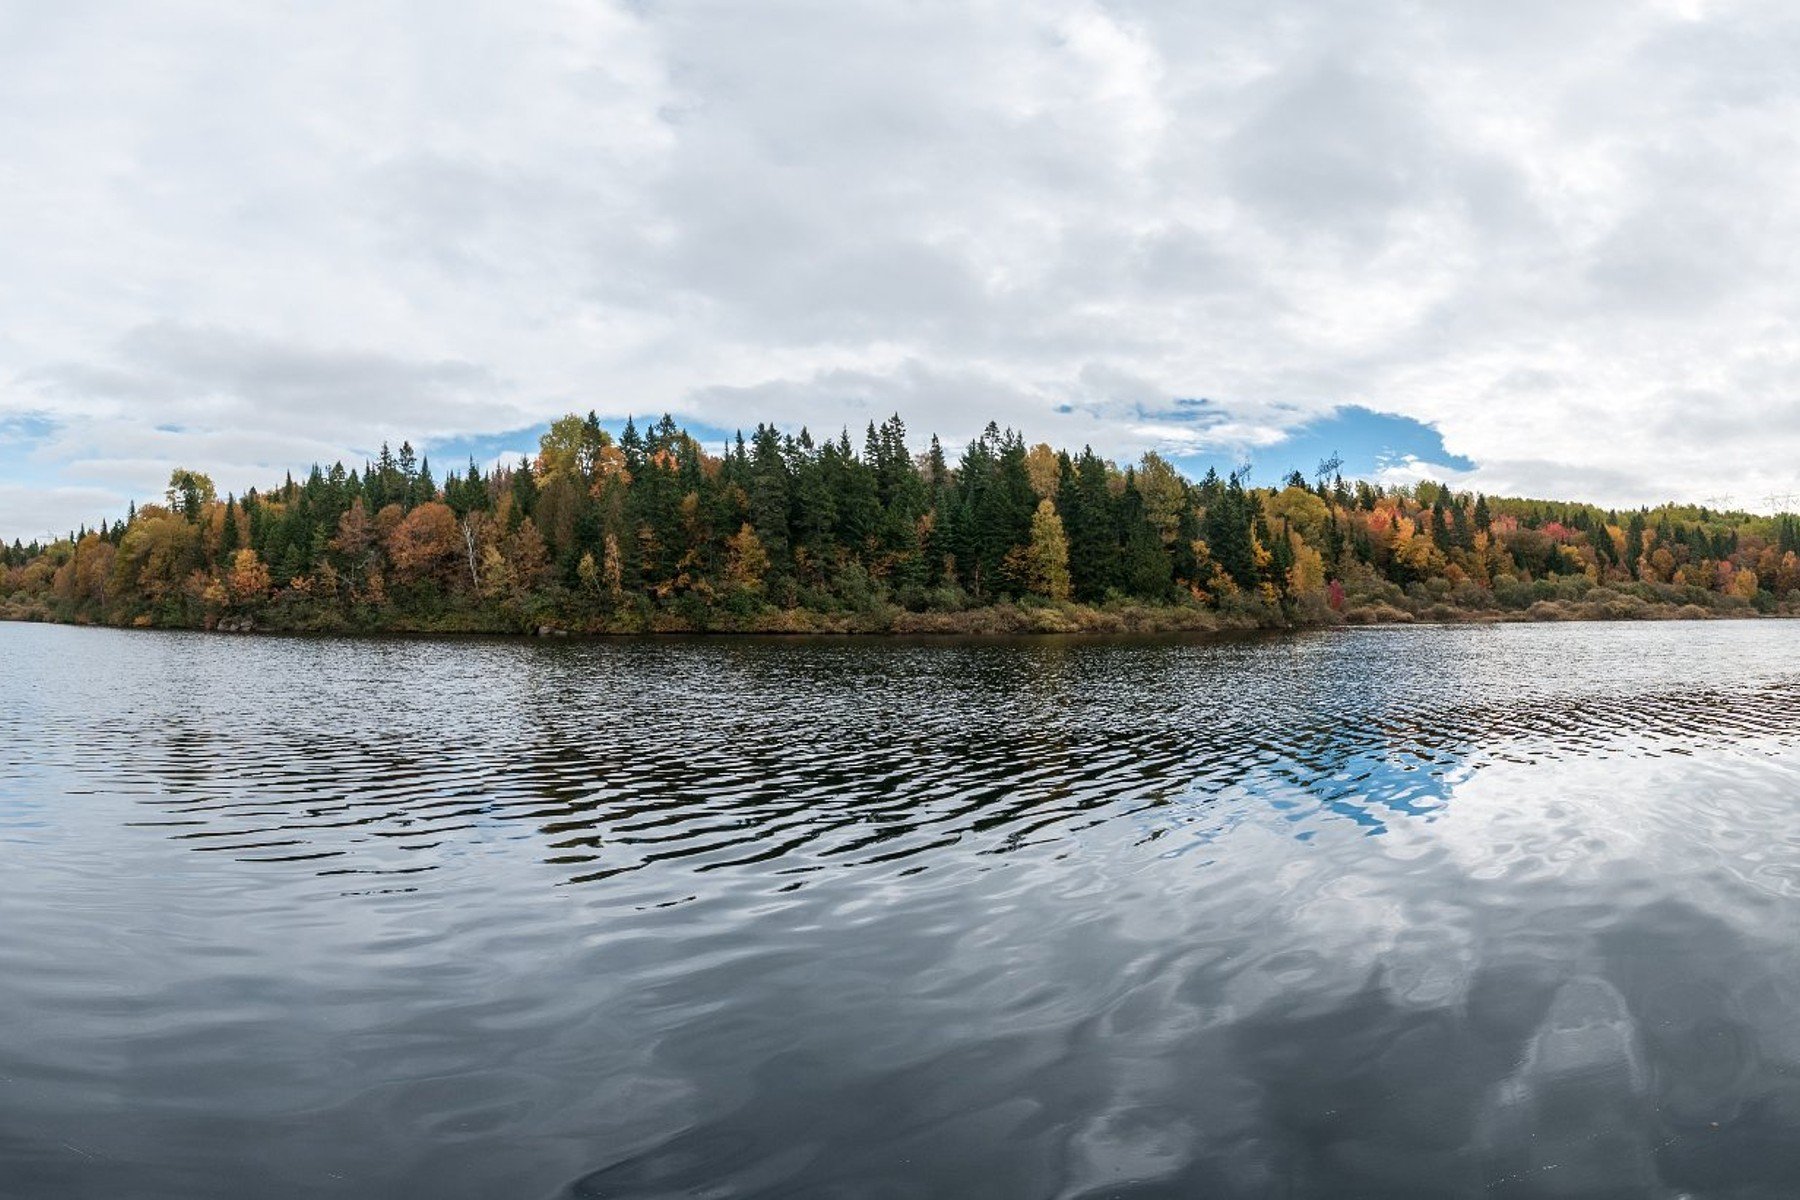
x,y
782,531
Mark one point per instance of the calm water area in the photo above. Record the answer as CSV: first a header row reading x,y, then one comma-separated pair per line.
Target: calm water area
x,y
1503,911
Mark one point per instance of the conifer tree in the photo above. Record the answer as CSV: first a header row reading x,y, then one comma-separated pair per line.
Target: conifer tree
x,y
1086,502
769,493
230,539
1227,531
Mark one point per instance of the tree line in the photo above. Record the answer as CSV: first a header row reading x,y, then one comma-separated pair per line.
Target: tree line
x,y
650,530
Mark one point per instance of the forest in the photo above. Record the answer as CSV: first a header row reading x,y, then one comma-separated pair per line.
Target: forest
x,y
651,532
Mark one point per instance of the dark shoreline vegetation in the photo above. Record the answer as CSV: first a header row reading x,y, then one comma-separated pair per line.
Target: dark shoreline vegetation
x,y
650,533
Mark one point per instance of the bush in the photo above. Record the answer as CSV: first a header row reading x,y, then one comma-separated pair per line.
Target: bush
x,y
854,587
1512,593
1616,607
741,602
947,598
693,611
1471,595
1312,608
1378,614
912,597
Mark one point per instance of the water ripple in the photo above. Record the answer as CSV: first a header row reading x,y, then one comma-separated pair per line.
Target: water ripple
x,y
1425,912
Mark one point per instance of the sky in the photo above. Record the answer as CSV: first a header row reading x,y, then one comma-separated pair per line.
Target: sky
x,y
1544,247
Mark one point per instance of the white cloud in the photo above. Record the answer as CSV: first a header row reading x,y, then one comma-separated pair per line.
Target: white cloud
x,y
244,237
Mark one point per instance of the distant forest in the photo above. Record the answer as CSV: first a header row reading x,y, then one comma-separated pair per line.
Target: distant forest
x,y
780,532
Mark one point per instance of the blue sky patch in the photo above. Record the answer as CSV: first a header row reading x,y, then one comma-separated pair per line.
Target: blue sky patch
x,y
25,428
1366,440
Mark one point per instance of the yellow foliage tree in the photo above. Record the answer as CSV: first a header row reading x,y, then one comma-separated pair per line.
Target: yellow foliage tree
x,y
1308,572
1043,469
746,562
526,554
1047,558
1304,512
248,580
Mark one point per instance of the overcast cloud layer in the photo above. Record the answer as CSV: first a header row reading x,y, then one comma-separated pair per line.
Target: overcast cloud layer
x,y
245,237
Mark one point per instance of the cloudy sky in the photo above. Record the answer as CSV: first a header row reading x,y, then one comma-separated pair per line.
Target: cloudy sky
x,y
1546,246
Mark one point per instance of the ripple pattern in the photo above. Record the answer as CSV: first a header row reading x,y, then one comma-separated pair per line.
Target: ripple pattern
x,y
621,758
1436,912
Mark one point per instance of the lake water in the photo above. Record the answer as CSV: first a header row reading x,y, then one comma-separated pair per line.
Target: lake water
x,y
1508,911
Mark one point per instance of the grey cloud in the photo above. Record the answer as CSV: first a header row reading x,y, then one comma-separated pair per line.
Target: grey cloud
x,y
286,234
1338,148
851,398
224,374
37,512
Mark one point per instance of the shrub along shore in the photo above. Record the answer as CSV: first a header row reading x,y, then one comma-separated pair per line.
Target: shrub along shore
x,y
779,533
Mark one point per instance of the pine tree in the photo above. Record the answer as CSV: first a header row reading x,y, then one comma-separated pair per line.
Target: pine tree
x,y
424,489
856,496
229,539
1634,544
1281,555
631,444
1461,536
769,494
524,495
1145,569
1227,530
1086,503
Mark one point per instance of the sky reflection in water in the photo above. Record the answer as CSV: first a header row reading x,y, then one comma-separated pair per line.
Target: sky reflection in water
x,y
312,917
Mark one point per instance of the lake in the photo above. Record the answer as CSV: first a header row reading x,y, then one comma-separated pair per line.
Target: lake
x,y
1467,911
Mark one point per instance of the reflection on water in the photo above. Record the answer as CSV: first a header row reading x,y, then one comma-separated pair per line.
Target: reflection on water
x,y
1485,912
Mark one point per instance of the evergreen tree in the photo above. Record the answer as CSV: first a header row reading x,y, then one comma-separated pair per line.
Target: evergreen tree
x,y
1145,569
631,445
1634,544
424,489
1227,531
524,495
1086,502
229,537
1281,555
1461,536
769,494
856,497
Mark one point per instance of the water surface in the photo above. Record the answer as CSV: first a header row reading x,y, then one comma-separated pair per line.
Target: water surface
x,y
1502,911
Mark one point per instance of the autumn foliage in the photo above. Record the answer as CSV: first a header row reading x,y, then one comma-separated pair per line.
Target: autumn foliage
x,y
650,530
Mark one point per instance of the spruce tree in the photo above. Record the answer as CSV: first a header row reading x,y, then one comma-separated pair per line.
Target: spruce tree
x,y
1227,530
769,493
631,444
424,489
1634,544
1145,569
1086,504
229,535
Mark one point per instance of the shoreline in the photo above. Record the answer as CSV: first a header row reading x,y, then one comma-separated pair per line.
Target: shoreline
x,y
1004,620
